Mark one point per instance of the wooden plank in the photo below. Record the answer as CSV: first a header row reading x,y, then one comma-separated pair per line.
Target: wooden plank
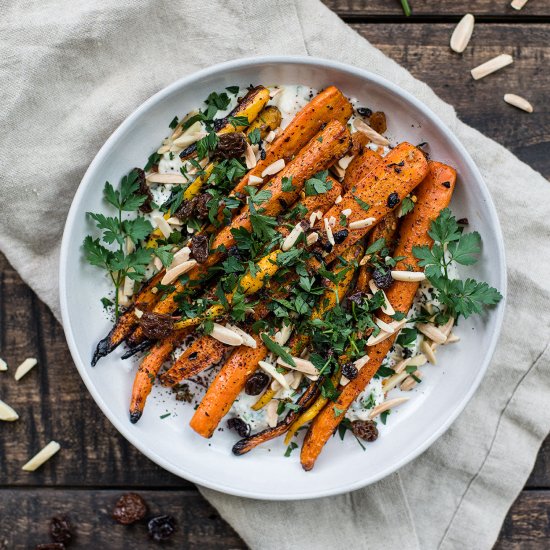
x,y
527,526
423,49
26,515
443,8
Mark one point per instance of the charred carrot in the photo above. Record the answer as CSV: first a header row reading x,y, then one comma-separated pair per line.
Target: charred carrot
x,y
434,194
363,163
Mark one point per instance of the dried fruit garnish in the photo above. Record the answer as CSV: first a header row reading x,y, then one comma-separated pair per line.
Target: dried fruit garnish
x,y
365,429
129,508
199,248
230,146
60,530
349,370
146,207
382,278
240,426
156,325
256,383
161,527
378,122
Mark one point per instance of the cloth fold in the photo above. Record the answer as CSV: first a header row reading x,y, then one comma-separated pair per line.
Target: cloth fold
x,y
72,70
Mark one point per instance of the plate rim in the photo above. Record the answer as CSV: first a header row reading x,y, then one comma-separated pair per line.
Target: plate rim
x,y
188,80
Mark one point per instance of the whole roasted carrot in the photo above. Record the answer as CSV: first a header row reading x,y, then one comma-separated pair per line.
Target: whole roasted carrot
x,y
434,194
363,162
330,104
225,388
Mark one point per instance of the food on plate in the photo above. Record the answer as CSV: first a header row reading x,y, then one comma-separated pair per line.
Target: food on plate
x,y
289,263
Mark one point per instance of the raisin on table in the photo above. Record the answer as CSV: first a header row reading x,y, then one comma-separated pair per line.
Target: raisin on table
x,y
129,508
60,530
161,527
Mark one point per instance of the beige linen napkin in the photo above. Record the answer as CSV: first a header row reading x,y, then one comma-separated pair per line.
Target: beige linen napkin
x,y
71,70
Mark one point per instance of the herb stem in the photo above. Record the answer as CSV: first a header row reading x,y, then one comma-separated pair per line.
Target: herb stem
x,y
406,7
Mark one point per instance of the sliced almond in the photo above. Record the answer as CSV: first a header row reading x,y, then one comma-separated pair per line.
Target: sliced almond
x,y
418,360
518,4
312,238
173,273
157,263
390,404
7,413
452,338
167,179
344,381
25,367
428,351
328,230
292,237
347,212
226,335
338,171
361,362
123,300
338,199
128,287
394,380
360,224
495,64
3,365
272,371
255,180
138,313
163,149
408,276
361,126
248,341
344,162
384,326
271,413
163,226
312,219
282,336
448,326
181,256
380,337
174,221
462,33
187,139
519,102
400,367
250,157
43,456
274,168
297,379
410,382
270,136
432,332
302,365
387,308
130,246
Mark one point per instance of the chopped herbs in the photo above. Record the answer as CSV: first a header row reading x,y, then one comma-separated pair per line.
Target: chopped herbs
x,y
318,184
278,350
293,445
365,206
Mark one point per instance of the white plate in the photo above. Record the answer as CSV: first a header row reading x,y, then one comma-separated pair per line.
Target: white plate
x,y
265,473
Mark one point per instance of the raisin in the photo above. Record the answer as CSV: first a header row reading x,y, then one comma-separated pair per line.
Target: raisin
x,y
201,207
161,527
146,207
382,278
317,254
364,111
186,209
356,297
365,429
340,236
240,426
156,325
234,251
326,246
263,154
462,221
50,546
378,122
60,530
231,145
129,508
393,200
199,248
256,383
349,370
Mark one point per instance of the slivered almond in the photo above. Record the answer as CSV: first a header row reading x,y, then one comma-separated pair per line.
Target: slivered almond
x,y
432,332
155,177
338,199
394,380
163,149
418,360
519,102
297,379
338,171
163,226
255,180
347,212
187,139
427,350
181,256
448,326
384,326
138,313
408,276
390,404
387,308
7,414
380,337
25,367
495,64
344,162
157,263
226,335
43,456
462,33
130,246
374,137
128,287
173,273
282,336
361,362
271,413
312,219
452,338
410,382
302,365
272,371
123,300
518,4
344,381
292,237
174,221
3,365
312,238
247,339
270,136
400,367
250,157
360,224
328,230
273,168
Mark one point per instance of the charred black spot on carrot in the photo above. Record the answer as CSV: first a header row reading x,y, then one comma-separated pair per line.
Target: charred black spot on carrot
x,y
135,416
446,184
393,200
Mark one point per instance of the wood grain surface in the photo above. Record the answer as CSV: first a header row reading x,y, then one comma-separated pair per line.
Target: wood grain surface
x,y
96,464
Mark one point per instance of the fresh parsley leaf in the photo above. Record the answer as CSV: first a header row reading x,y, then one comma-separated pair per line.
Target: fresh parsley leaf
x,y
174,123
337,411
278,350
293,445
254,137
364,205
407,205
287,186
95,253
318,184
163,254
444,228
106,302
384,416
238,121
465,250
232,89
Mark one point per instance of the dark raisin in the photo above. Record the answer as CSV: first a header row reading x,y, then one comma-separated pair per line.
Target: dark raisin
x,y
231,145
463,221
256,383
263,154
186,209
393,200
382,278
356,297
340,236
129,508
378,122
234,251
364,111
60,530
446,184
50,546
349,370
326,246
144,190
161,527
156,325
317,254
240,426
201,207
365,429
199,248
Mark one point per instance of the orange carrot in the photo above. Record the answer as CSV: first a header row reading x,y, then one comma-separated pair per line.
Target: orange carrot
x,y
434,194
363,162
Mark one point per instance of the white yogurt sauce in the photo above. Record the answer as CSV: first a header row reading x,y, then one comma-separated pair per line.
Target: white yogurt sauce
x,y
372,395
169,165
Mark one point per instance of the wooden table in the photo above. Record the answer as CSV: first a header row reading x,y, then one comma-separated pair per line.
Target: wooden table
x,y
96,464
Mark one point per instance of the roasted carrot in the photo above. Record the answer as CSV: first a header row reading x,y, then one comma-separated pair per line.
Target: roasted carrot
x,y
434,194
329,105
225,388
363,163
148,369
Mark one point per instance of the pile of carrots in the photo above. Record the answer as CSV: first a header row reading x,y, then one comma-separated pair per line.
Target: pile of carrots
x,y
315,140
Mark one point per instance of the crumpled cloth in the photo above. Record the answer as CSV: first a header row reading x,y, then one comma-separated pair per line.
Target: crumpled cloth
x,y
72,70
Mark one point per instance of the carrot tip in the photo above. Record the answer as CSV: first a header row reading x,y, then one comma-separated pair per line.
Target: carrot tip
x,y
135,416
104,347
146,344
